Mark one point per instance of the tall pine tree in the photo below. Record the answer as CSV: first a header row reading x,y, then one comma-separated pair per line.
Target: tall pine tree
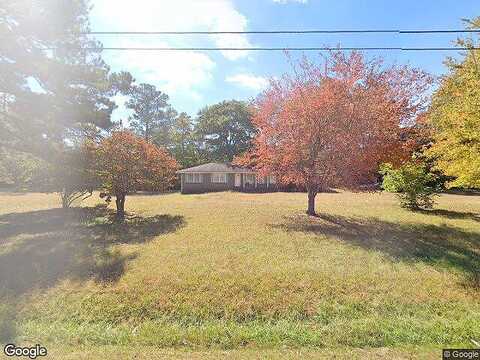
x,y
152,115
53,85
184,145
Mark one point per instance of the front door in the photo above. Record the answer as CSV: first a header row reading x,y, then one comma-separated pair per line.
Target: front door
x,y
238,180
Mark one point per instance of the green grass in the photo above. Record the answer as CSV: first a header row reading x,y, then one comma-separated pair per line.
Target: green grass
x,y
151,353
230,271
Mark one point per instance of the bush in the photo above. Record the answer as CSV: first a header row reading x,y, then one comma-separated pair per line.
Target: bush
x,y
411,182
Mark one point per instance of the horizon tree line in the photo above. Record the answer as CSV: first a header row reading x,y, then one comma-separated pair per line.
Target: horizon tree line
x,y
320,127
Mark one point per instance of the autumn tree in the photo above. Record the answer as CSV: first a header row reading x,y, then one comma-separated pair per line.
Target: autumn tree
x,y
225,129
455,119
128,163
331,125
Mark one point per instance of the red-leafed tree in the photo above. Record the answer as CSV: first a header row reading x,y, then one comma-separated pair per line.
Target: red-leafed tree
x,y
332,125
128,163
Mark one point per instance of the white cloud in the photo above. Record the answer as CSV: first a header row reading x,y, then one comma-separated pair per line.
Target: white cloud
x,y
250,81
182,75
178,15
173,72
290,1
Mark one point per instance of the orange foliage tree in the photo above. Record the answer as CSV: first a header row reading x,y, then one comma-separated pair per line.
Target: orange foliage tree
x,y
127,163
332,125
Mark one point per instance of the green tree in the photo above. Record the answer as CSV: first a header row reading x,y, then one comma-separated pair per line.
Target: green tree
x,y
48,96
72,175
152,115
184,146
411,183
17,168
225,129
455,119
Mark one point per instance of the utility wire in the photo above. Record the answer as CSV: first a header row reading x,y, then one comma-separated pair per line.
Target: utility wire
x,y
345,31
279,48
367,31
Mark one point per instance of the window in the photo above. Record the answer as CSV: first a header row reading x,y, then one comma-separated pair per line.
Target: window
x,y
249,179
271,179
193,178
219,178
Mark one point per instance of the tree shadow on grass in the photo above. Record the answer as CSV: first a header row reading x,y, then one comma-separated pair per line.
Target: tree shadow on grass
x,y
462,192
452,214
155,193
439,245
39,248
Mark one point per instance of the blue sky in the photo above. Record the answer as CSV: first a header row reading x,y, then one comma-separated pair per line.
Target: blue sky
x,y
195,79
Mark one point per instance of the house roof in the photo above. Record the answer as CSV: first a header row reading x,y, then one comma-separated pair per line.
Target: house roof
x,y
215,167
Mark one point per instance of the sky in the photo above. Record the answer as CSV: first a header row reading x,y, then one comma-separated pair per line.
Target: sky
x,y
195,79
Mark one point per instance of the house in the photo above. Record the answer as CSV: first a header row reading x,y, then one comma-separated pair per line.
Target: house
x,y
223,176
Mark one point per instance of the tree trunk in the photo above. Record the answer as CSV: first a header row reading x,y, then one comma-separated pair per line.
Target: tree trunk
x,y
311,203
120,202
65,199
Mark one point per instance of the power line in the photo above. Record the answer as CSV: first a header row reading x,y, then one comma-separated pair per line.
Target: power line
x,y
279,48
466,31
366,31
314,31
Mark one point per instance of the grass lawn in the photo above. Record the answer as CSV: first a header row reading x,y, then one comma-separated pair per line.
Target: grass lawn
x,y
240,275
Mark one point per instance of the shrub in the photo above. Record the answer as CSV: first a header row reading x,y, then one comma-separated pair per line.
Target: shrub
x,y
411,182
